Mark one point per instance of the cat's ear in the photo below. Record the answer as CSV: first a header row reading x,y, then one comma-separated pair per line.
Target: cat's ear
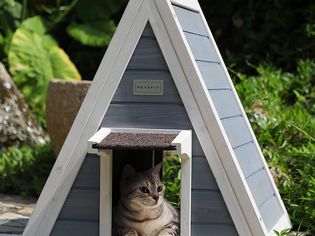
x,y
128,172
157,169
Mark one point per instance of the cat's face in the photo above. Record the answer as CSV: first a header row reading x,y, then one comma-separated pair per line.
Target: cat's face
x,y
143,189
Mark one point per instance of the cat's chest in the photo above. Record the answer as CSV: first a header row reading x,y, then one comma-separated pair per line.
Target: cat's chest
x,y
152,227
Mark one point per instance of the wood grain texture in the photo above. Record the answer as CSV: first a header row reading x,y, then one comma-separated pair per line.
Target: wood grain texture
x,y
147,55
81,204
236,130
87,121
260,186
88,176
210,121
248,158
202,178
143,115
124,93
190,21
147,32
225,103
75,228
213,229
201,48
145,112
208,207
213,75
271,212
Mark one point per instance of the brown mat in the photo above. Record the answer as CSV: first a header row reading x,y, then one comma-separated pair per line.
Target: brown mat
x,y
137,141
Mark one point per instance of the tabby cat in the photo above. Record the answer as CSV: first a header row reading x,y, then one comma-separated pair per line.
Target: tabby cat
x,y
142,209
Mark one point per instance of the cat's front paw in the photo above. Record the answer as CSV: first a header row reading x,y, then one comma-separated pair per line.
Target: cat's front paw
x,y
168,232
130,232
126,232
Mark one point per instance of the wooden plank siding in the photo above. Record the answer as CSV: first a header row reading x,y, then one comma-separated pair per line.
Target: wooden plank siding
x,y
232,118
80,212
167,112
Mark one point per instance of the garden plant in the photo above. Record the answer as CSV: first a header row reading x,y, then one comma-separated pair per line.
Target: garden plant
x,y
269,47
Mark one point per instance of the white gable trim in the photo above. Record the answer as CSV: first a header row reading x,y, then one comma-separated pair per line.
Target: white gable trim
x,y
284,222
195,97
171,55
233,173
88,119
189,4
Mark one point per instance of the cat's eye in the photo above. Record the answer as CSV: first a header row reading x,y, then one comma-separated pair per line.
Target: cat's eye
x,y
144,189
159,189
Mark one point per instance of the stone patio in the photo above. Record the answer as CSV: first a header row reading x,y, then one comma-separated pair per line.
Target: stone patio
x,y
14,214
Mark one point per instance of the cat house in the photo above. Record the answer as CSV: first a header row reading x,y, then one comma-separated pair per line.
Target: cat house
x,y
162,74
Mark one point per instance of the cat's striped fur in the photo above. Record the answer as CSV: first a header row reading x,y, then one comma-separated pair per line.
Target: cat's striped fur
x,y
142,209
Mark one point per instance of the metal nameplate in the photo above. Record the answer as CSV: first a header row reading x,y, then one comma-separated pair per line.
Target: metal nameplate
x,y
148,87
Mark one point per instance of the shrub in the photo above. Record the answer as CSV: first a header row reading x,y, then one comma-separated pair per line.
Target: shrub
x,y
24,170
280,107
171,178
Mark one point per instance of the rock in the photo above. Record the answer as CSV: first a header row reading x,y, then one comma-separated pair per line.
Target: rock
x,y
17,124
64,99
14,213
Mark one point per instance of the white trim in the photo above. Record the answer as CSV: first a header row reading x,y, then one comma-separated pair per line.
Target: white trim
x,y
284,222
106,168
197,102
189,4
208,123
100,135
97,138
88,120
183,143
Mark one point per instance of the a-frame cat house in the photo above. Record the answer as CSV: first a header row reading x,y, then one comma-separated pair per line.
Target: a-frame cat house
x,y
163,70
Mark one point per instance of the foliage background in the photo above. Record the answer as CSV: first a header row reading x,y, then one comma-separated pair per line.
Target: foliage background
x,y
268,46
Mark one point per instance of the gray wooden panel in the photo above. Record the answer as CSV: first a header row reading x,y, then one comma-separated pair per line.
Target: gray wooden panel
x,y
150,116
190,21
143,115
125,88
271,212
202,177
260,186
75,228
237,131
202,48
209,207
225,103
248,158
147,55
196,147
213,75
81,204
148,32
213,229
89,174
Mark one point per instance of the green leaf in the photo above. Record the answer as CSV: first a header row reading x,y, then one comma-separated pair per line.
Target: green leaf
x,y
93,34
34,59
34,24
12,7
62,65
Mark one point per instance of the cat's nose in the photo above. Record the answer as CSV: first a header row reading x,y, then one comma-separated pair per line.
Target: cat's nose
x,y
156,198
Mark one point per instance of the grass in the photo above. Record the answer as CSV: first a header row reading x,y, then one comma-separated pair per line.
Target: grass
x,y
281,109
